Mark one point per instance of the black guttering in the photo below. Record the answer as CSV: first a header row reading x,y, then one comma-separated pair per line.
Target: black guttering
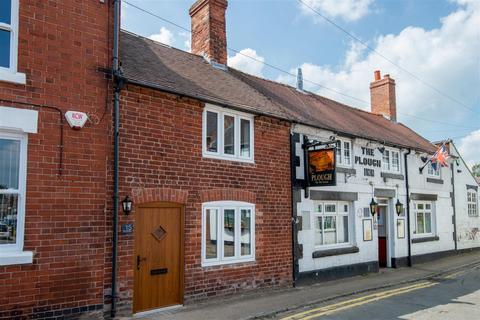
x,y
119,82
407,188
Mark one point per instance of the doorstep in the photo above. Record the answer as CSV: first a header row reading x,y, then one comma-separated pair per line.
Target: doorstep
x,y
265,303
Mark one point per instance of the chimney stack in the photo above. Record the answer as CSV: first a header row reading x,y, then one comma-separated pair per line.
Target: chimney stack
x,y
382,96
299,79
209,36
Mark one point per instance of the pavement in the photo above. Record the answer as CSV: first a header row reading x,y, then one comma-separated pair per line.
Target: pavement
x,y
271,304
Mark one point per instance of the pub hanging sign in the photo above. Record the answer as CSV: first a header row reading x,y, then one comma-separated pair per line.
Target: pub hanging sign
x,y
321,167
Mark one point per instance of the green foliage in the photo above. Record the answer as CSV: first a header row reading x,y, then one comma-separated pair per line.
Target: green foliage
x,y
476,170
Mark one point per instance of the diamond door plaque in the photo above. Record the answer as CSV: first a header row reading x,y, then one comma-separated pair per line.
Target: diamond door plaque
x,y
159,233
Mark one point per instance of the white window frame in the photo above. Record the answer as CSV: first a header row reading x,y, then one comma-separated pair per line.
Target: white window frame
x,y
434,173
472,203
340,153
221,206
432,218
10,74
220,154
13,253
315,214
390,161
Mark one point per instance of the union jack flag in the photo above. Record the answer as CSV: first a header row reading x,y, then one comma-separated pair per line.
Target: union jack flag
x,y
440,157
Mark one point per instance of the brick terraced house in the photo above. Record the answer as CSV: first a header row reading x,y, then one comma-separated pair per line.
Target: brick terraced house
x,y
208,166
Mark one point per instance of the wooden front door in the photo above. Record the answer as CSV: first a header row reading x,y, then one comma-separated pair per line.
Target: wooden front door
x,y
158,256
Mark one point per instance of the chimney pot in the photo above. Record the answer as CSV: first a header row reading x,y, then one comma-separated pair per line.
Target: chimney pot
x,y
209,36
382,96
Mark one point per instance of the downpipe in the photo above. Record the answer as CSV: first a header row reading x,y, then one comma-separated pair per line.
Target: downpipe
x,y
407,188
116,119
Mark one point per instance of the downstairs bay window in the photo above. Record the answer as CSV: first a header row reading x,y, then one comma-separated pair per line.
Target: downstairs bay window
x,y
331,224
13,163
228,232
15,125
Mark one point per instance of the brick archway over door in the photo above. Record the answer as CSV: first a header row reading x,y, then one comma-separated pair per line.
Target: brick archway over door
x,y
227,194
146,195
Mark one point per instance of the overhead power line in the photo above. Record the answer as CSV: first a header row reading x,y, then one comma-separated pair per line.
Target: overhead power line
x,y
249,57
432,87
285,71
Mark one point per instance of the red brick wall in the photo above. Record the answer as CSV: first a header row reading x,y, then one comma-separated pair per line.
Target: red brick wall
x,y
161,149
61,45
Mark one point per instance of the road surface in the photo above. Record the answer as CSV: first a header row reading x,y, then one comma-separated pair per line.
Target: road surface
x,y
450,297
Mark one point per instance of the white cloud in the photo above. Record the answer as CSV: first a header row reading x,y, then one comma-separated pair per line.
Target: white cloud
x,y
165,36
469,148
241,61
348,10
187,43
446,57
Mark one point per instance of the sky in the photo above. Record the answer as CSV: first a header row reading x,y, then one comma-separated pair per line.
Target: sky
x,y
430,47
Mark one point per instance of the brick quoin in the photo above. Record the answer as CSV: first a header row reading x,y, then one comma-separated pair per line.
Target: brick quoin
x,y
61,46
161,151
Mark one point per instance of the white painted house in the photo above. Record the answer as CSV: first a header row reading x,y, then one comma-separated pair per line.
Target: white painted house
x,y
336,234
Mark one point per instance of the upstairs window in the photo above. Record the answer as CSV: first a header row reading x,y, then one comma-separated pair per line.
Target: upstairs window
x,y
472,203
9,42
227,134
433,172
391,161
344,154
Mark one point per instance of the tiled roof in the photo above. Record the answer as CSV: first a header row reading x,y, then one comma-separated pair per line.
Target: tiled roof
x,y
152,64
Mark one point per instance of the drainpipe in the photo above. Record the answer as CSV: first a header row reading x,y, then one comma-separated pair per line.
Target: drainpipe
x,y
116,118
452,166
409,261
293,203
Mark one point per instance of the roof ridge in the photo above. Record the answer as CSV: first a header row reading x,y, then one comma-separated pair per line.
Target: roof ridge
x,y
315,95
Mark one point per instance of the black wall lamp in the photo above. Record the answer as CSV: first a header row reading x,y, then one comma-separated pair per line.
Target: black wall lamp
x,y
381,149
399,207
127,205
373,207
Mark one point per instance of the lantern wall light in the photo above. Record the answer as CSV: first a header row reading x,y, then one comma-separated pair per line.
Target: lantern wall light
x,y
373,207
399,207
127,205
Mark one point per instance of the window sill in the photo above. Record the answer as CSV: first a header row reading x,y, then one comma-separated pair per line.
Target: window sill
x,y
435,180
392,175
234,159
206,264
12,258
346,169
14,77
334,252
425,239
